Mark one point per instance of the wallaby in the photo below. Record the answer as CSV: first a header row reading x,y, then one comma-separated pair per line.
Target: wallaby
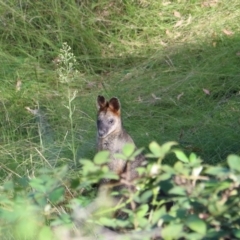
x,y
112,137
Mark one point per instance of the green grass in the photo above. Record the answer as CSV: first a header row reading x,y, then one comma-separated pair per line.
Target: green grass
x,y
155,56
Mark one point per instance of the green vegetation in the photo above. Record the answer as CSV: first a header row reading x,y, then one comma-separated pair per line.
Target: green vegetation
x,y
174,65
206,201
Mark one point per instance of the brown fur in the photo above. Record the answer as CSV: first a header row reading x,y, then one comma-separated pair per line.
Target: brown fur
x,y
112,137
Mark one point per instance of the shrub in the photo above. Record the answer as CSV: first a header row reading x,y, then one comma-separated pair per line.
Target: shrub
x,y
205,200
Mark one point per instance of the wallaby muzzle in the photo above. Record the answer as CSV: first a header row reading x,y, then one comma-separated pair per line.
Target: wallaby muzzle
x,y
102,129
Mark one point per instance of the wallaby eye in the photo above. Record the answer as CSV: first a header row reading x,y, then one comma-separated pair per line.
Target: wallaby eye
x,y
110,121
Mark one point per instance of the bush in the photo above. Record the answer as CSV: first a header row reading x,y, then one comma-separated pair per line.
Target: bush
x,y
205,200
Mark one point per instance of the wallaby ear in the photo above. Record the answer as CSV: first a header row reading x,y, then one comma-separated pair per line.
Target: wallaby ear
x,y
101,102
114,104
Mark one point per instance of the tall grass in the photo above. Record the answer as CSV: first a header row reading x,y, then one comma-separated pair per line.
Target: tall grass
x,y
173,64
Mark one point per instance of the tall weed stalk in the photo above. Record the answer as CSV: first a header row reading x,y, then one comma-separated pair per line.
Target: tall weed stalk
x,y
67,73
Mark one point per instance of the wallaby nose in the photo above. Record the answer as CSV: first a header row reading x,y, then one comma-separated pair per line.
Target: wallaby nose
x,y
101,133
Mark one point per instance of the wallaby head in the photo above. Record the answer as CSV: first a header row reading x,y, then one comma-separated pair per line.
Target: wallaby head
x,y
109,116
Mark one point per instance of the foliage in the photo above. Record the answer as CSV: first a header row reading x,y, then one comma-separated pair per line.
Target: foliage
x,y
204,199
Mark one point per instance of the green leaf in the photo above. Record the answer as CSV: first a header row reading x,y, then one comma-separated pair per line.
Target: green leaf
x,y
40,199
223,185
160,151
142,210
178,191
137,152
74,183
173,231
236,233
120,156
142,222
128,149
196,224
150,155
178,166
38,185
218,171
181,213
167,146
56,195
141,170
45,233
234,162
165,176
89,167
193,158
168,169
195,236
101,157
181,168
168,218
122,224
157,214
181,155
107,222
110,175
145,196
155,149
